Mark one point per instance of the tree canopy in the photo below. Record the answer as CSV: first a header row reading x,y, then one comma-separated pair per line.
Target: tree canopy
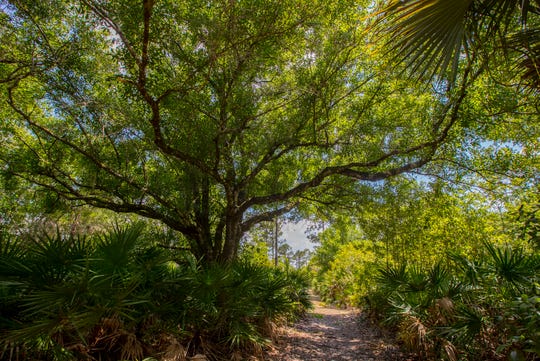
x,y
214,116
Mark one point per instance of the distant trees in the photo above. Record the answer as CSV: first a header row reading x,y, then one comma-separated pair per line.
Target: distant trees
x,y
405,223
268,243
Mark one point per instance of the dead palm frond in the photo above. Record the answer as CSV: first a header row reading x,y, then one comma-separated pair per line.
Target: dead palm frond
x,y
413,333
175,352
450,350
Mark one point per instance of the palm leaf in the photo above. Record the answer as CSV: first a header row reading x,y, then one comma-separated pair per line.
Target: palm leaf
x,y
418,280
440,280
527,44
431,36
392,278
472,270
470,322
428,34
115,250
513,266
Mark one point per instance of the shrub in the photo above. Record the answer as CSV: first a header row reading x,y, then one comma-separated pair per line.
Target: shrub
x,y
119,296
348,279
486,309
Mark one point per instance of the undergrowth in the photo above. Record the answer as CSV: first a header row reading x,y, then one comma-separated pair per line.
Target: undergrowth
x,y
122,297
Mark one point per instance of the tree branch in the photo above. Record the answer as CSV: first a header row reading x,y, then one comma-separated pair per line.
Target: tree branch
x,y
266,216
354,169
103,15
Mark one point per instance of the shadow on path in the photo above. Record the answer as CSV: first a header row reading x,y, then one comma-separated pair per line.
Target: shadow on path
x,y
332,334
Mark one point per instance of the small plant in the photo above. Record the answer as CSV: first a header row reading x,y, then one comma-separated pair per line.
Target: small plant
x,y
483,310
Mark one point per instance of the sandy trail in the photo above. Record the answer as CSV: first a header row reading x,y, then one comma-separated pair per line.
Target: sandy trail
x,y
332,334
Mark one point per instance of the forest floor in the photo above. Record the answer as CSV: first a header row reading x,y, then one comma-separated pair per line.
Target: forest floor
x,y
331,334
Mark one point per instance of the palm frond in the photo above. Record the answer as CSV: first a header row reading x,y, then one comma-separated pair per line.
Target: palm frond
x,y
418,280
470,322
115,249
472,270
527,44
428,35
414,333
392,278
513,266
13,269
53,258
439,280
431,36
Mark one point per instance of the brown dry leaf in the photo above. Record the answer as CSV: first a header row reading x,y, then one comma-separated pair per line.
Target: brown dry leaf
x,y
131,348
198,357
413,333
175,352
445,304
451,351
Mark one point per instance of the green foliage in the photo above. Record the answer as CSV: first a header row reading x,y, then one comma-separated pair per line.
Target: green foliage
x,y
237,304
529,223
399,223
416,260
347,280
256,251
213,117
524,322
479,310
120,296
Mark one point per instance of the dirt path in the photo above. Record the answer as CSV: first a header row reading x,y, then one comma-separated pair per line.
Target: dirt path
x,y
332,334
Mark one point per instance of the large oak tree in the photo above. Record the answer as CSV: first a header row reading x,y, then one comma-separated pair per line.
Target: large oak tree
x,y
209,116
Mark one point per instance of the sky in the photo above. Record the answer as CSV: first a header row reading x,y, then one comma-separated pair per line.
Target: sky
x,y
294,235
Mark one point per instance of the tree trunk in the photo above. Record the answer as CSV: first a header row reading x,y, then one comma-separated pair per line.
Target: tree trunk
x,y
231,242
275,242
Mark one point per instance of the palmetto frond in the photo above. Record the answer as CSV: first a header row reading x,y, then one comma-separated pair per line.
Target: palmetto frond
x,y
472,270
527,44
116,250
431,36
513,266
469,323
392,278
110,297
428,34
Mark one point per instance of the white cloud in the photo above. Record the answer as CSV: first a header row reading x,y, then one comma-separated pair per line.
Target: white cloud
x,y
295,236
